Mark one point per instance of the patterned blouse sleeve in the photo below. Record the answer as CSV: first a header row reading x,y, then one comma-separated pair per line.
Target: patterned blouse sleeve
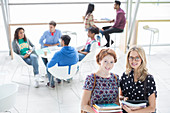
x,y
89,82
151,86
91,20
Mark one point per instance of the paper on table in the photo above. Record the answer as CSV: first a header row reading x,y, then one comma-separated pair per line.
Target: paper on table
x,y
41,51
105,19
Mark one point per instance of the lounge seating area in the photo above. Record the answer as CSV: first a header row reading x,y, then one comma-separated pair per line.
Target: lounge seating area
x,y
66,97
51,62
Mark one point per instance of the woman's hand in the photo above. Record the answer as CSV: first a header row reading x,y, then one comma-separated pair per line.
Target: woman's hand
x,y
26,55
102,29
127,109
123,98
130,109
84,102
30,51
79,51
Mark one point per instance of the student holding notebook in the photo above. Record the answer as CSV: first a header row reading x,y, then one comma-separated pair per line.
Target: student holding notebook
x,y
136,83
101,87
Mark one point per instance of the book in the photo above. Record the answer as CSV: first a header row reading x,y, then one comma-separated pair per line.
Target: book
x,y
132,105
106,111
111,106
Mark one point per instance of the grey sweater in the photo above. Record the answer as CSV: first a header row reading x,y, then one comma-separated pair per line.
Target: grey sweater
x,y
16,47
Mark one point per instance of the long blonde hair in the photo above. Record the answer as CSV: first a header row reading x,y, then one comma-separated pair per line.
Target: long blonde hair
x,y
142,70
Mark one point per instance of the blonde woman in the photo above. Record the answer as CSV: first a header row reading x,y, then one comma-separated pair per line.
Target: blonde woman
x,y
106,88
136,83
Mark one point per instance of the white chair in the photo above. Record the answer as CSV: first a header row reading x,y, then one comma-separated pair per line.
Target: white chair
x,y
62,73
8,94
89,59
21,63
115,36
153,31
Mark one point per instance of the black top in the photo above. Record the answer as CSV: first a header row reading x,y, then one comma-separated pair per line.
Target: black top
x,y
135,90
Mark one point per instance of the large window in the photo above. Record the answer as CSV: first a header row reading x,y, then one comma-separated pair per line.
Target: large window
x,y
36,11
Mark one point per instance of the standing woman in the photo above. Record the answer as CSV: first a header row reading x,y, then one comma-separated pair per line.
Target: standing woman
x,y
107,84
25,49
136,83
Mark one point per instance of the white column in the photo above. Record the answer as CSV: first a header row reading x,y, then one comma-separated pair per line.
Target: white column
x,y
4,6
131,27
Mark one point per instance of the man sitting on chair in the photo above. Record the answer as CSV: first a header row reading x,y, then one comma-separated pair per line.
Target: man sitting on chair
x,y
50,38
67,56
119,23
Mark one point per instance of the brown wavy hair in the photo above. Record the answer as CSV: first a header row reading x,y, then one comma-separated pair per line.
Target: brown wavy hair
x,y
105,52
16,37
142,70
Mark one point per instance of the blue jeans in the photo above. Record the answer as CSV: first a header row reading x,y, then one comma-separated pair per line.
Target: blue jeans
x,y
45,61
81,56
51,78
33,60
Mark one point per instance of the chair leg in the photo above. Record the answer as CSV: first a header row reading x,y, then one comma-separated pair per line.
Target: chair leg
x,y
60,101
76,40
158,37
150,42
8,111
20,82
16,109
80,77
115,42
110,42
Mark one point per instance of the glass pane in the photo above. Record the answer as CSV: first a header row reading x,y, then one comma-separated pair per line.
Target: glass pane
x,y
57,12
52,1
160,11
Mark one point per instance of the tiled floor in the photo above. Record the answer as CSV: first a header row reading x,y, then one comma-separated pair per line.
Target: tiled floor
x,y
66,98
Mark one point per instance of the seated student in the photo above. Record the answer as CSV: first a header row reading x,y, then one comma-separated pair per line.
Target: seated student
x,y
106,88
136,83
22,46
89,20
118,25
67,56
50,38
87,48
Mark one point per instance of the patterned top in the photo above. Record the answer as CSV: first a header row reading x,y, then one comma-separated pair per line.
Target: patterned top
x,y
106,89
89,21
135,90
